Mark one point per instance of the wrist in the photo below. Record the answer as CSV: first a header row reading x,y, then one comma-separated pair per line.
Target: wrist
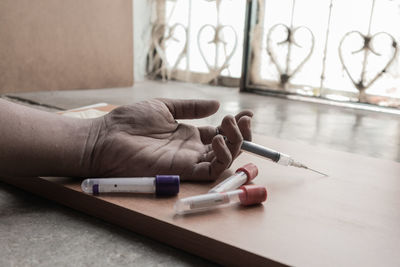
x,y
93,138
70,160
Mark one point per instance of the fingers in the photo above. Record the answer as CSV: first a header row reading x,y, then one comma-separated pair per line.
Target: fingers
x,y
223,157
191,109
208,154
214,162
247,113
244,124
243,120
212,170
207,133
230,129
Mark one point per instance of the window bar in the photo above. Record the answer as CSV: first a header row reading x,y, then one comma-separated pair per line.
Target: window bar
x,y
316,91
154,62
248,56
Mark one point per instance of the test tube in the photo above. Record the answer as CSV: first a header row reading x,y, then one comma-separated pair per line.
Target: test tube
x,y
242,176
160,185
246,195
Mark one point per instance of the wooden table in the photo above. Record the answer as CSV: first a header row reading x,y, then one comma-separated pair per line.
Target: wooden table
x,y
351,218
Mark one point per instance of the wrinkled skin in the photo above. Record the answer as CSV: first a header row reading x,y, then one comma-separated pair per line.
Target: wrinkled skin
x,y
145,139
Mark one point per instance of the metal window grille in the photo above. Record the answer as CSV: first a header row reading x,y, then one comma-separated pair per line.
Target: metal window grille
x,y
345,51
197,40
337,51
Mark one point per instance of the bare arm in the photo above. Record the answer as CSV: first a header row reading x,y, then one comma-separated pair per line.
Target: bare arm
x,y
34,142
142,139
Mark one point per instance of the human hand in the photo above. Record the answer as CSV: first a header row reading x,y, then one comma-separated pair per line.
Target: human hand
x,y
145,139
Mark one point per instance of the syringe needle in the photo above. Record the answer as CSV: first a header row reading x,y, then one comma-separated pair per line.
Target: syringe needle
x,y
301,165
324,174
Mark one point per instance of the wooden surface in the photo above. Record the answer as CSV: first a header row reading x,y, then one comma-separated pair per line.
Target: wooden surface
x,y
58,45
351,218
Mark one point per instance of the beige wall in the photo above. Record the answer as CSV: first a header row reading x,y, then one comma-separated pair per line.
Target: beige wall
x,y
58,44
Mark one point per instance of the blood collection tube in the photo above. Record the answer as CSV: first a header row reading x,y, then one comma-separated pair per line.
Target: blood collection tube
x,y
246,195
160,185
242,176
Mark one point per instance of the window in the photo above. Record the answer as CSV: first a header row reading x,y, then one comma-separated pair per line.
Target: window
x,y
343,50
198,41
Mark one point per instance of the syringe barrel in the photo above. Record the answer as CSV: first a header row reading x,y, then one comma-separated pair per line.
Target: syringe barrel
x,y
271,154
285,160
246,195
260,150
161,185
243,175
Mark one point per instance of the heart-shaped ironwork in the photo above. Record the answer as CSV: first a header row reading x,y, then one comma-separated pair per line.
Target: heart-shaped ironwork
x,y
161,35
213,68
367,47
285,72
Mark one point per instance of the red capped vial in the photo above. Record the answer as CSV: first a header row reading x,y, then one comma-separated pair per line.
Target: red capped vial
x,y
242,176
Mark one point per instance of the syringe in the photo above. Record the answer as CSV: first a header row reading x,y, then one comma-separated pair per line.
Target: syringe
x,y
242,175
246,195
160,185
275,156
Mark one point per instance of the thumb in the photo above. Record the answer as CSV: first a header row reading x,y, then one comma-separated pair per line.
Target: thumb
x,y
190,109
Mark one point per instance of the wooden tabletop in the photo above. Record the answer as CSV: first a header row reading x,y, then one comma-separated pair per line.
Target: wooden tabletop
x,y
350,218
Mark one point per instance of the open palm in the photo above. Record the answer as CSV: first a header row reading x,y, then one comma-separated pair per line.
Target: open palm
x,y
145,139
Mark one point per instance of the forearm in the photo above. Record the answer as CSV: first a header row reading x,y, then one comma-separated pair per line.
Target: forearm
x,y
34,142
